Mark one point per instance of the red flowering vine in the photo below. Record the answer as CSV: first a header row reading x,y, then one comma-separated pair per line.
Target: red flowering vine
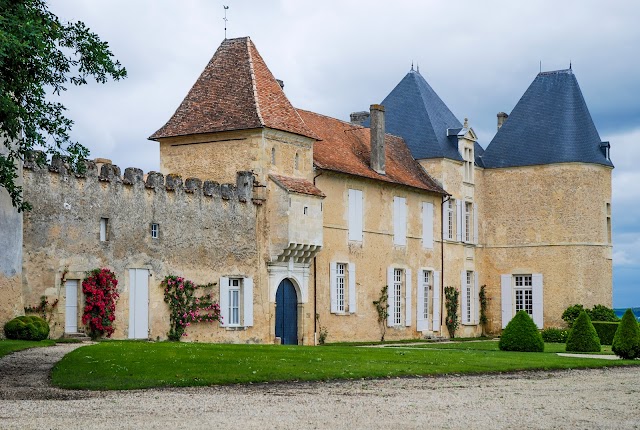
x,y
186,308
100,292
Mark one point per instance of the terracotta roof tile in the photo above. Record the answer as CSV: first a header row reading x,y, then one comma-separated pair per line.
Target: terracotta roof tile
x,y
346,148
236,91
296,185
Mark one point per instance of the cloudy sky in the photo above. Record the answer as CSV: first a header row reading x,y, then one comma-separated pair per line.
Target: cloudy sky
x,y
336,57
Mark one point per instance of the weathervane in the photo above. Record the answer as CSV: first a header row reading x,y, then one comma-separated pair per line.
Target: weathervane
x,y
225,20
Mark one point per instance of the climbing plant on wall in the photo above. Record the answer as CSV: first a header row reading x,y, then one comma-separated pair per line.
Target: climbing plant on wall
x,y
100,289
382,307
484,304
185,307
451,304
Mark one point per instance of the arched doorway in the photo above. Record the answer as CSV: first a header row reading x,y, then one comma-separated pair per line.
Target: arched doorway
x,y
287,313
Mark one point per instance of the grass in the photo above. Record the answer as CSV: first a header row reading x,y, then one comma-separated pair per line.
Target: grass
x,y
9,346
131,365
493,346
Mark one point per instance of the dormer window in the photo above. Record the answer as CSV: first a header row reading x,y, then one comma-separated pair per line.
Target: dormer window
x,y
605,147
468,164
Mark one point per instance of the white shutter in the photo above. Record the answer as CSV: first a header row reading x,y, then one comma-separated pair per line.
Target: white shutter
x,y
475,224
399,221
476,299
507,299
390,300
445,220
427,225
537,300
247,292
421,323
463,293
352,288
355,215
407,299
436,301
224,301
333,287
459,219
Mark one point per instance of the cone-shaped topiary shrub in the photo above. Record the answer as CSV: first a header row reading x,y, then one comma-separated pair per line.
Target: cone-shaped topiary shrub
x,y
27,328
626,342
521,334
583,336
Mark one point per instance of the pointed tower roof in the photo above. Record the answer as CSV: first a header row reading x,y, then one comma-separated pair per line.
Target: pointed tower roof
x,y
236,91
416,113
550,124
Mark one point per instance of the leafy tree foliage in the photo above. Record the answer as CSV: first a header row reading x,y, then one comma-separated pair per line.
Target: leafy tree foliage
x,y
40,54
583,336
626,342
521,334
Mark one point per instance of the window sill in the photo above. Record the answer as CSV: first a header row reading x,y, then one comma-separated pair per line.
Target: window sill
x,y
342,314
235,328
468,183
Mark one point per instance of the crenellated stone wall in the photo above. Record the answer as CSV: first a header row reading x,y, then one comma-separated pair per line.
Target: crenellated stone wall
x,y
206,230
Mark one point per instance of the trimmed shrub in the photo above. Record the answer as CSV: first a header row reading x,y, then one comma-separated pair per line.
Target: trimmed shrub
x,y
27,328
571,314
521,334
606,330
626,342
555,335
583,337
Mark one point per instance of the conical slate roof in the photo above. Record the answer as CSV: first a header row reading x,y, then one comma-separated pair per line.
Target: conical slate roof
x,y
236,91
416,113
550,124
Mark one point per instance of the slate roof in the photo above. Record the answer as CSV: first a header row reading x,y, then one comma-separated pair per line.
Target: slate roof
x,y
236,91
550,124
346,148
416,113
296,185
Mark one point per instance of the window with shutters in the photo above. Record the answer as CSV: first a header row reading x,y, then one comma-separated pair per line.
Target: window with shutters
x,y
236,302
468,222
343,288
450,220
523,293
355,215
397,296
468,292
426,286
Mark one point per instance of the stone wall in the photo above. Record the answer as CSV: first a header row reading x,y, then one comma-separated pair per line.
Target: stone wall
x,y
206,230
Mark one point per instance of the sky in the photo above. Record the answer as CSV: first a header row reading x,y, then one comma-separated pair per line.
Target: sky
x,y
337,57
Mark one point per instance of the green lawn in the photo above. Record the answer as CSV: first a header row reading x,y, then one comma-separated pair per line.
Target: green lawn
x,y
493,346
129,365
8,346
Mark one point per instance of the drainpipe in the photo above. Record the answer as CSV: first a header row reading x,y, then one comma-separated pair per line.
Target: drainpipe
x,y
444,200
315,290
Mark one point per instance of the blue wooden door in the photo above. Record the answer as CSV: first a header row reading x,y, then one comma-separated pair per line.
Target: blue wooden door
x,y
287,313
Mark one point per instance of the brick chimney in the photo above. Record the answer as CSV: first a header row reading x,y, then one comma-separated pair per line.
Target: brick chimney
x,y
502,117
377,138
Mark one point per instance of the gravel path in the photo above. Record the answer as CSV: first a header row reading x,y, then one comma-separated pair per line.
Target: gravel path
x,y
603,398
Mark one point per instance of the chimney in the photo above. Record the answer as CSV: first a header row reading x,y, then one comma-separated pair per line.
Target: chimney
x,y
281,83
377,138
502,117
358,118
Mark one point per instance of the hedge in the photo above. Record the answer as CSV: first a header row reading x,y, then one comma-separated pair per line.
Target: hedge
x,y
583,337
27,328
606,330
521,334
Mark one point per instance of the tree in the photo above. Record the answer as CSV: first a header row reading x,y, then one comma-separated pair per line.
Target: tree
x,y
583,336
521,334
626,342
41,54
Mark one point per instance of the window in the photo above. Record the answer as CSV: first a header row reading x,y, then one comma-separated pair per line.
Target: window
x,y
305,210
470,299
428,300
343,288
154,231
522,292
399,292
468,211
296,162
468,164
355,215
236,302
448,220
104,223
427,225
609,222
399,221
273,156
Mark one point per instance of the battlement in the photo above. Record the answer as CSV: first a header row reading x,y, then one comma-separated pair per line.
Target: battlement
x,y
103,171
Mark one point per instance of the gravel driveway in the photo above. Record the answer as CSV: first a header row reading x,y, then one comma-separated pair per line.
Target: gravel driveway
x,y
603,398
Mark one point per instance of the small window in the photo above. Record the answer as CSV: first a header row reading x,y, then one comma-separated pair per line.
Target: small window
x,y
305,210
273,156
468,164
296,162
234,301
609,222
154,231
104,222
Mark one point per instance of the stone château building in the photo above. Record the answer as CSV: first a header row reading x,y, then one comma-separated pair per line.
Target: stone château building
x,y
301,219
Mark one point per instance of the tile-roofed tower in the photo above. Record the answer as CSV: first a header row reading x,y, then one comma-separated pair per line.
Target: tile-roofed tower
x,y
416,113
236,91
550,124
